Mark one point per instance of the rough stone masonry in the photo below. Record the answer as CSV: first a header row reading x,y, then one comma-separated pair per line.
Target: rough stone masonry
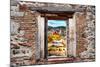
x,y
24,32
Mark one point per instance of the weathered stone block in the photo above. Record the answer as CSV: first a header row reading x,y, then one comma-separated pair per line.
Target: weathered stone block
x,y
23,7
16,14
29,35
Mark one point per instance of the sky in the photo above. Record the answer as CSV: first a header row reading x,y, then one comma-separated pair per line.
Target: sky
x,y
56,23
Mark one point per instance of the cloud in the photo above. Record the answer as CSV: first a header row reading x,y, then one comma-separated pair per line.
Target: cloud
x,y
56,23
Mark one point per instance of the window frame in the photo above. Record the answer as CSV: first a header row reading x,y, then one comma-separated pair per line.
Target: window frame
x,y
45,34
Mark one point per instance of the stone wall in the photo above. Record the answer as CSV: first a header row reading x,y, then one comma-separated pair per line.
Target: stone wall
x,y
24,29
25,32
86,33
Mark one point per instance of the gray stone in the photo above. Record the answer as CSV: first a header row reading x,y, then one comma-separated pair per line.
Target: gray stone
x,y
16,14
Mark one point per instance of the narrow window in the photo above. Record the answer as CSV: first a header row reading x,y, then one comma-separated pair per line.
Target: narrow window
x,y
57,38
